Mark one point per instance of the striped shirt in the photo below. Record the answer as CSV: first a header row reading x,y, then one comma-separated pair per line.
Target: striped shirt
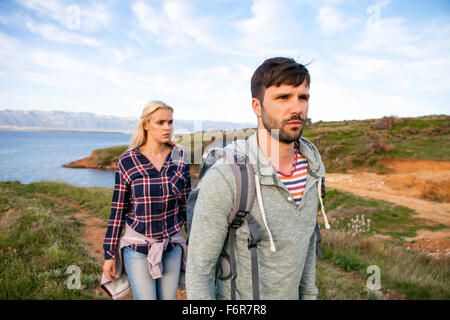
x,y
151,202
295,181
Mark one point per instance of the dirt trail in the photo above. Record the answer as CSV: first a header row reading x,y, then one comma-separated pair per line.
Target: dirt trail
x,y
412,185
94,232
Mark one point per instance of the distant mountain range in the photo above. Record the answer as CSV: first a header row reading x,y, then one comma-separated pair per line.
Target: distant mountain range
x,y
90,121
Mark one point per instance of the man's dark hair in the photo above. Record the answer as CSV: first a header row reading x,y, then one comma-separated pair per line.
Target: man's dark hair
x,y
278,71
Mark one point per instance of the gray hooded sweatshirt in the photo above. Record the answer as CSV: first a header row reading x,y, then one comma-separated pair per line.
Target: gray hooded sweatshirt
x,y
286,252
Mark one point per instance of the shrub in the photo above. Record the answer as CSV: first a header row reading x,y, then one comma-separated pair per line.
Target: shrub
x,y
382,147
384,123
348,261
410,130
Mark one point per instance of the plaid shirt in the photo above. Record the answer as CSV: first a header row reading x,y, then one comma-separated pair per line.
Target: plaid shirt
x,y
151,202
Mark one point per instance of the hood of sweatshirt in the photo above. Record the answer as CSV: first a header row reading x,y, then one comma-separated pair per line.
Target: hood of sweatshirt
x,y
264,167
265,173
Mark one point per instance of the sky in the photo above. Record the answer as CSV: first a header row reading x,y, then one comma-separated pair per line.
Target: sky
x,y
367,59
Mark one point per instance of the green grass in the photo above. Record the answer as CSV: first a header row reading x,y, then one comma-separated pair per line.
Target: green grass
x,y
430,148
336,284
108,156
410,274
343,145
39,240
95,199
358,144
421,123
385,218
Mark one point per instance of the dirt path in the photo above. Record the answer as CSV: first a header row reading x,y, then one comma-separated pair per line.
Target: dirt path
x,y
369,185
411,185
93,233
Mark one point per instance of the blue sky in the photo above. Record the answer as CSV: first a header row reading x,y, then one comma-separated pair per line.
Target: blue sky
x,y
368,58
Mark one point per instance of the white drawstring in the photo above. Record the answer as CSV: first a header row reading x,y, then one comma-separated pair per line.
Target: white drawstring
x,y
319,190
261,207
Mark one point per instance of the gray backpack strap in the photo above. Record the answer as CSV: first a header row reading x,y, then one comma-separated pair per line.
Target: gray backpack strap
x,y
245,194
245,184
317,230
255,237
318,242
231,241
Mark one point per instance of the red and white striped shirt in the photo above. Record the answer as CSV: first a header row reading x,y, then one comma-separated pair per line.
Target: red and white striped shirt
x,y
295,182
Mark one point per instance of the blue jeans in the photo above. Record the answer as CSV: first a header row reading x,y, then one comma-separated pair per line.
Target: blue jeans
x,y
144,287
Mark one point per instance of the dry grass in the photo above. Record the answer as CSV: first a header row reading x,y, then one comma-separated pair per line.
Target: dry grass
x,y
411,274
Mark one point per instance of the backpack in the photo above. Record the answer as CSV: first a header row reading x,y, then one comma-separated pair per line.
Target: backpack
x,y
245,195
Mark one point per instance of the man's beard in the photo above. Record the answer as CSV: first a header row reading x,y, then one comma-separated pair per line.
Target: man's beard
x,y
277,129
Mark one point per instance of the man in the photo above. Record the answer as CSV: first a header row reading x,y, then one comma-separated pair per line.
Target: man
x,y
288,169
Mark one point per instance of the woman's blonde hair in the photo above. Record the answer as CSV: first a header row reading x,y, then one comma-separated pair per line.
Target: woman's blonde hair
x,y
140,135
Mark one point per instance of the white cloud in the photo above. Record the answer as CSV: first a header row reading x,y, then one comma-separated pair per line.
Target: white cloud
x,y
53,8
89,18
148,17
122,55
267,29
335,97
217,93
175,24
8,45
332,21
401,53
390,35
53,33
422,75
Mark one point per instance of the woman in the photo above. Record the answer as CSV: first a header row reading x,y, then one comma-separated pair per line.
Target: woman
x,y
151,189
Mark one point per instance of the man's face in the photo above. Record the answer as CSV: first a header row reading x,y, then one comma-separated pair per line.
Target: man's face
x,y
285,108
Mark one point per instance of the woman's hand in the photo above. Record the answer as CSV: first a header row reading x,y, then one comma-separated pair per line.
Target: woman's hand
x,y
107,267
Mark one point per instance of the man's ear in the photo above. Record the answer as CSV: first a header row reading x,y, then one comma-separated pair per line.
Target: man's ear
x,y
257,108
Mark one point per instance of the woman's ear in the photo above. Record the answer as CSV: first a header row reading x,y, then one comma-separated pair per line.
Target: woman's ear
x,y
146,125
256,105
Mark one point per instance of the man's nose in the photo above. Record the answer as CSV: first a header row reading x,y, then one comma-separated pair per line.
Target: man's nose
x,y
298,107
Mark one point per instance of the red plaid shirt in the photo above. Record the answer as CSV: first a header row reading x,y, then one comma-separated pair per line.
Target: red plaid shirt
x,y
151,202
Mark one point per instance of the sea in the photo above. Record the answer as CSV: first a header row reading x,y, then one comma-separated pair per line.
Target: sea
x,y
31,156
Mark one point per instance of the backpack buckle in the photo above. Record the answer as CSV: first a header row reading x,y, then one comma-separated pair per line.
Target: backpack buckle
x,y
251,243
238,219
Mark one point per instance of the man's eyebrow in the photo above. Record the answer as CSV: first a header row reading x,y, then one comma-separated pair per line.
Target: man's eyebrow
x,y
305,95
284,94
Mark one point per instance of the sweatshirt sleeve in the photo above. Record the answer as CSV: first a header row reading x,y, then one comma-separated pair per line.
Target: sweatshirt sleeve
x,y
208,232
307,288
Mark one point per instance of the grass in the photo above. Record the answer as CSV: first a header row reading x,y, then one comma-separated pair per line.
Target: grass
x,y
410,274
108,156
358,144
39,241
351,213
95,199
336,284
343,145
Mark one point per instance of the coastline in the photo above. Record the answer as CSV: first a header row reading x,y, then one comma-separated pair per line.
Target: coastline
x,y
89,163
